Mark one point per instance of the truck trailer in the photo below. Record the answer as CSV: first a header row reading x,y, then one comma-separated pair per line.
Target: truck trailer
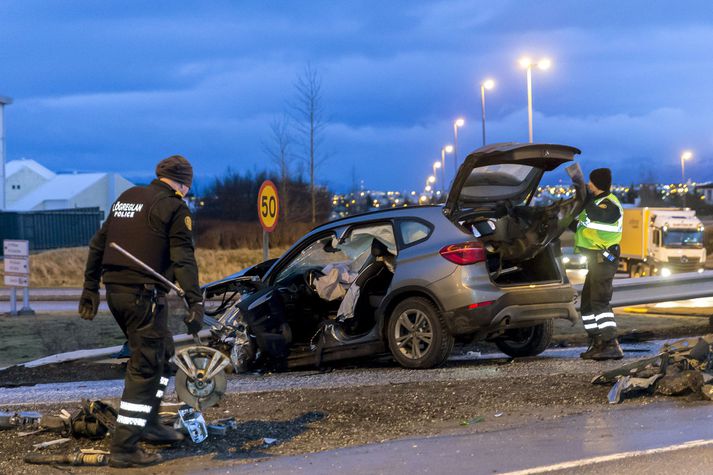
x,y
661,241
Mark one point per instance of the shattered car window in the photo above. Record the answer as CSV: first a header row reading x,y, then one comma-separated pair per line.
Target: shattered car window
x,y
497,180
316,255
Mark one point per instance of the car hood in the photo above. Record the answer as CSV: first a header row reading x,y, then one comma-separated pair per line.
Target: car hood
x,y
503,171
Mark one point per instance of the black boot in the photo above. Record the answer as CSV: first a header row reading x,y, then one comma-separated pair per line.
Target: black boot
x,y
159,434
595,342
609,350
137,458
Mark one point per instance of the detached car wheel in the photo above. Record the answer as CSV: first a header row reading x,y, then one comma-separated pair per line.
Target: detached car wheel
x,y
417,336
529,341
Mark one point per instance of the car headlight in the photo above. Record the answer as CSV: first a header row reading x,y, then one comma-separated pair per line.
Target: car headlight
x,y
665,272
565,260
582,259
700,271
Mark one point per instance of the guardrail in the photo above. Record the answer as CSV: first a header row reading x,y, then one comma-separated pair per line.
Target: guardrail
x,y
643,290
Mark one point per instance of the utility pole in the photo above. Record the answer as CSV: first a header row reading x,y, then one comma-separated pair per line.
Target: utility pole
x,y
3,102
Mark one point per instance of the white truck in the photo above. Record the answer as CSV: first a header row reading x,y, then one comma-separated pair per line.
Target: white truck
x,y
661,241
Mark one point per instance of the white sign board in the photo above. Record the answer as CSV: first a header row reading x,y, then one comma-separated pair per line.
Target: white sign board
x,y
14,265
17,281
15,248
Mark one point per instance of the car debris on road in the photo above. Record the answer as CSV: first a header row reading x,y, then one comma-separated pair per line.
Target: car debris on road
x,y
681,367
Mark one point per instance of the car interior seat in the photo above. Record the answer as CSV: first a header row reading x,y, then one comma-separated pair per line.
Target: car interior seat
x,y
373,281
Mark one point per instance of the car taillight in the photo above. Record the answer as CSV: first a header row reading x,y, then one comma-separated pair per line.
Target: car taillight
x,y
480,304
465,253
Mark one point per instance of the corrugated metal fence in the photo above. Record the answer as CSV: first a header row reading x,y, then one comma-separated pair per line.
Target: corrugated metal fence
x,y
51,229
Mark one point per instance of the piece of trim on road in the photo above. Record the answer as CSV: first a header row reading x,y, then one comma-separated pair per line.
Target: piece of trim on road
x,y
610,458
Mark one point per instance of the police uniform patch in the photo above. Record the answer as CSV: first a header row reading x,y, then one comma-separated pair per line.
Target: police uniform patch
x,y
189,223
603,205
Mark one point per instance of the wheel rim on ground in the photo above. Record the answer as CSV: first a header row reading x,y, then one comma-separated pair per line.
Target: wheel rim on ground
x,y
413,334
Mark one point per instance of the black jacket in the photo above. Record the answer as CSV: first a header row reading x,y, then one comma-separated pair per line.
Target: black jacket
x,y
155,224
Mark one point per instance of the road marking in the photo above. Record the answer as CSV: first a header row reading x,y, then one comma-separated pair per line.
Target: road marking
x,y
609,458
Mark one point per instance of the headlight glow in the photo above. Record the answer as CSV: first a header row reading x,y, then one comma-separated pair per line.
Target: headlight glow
x,y
700,271
565,260
582,259
665,272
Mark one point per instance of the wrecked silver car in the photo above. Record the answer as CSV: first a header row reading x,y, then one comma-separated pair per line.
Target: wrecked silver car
x,y
410,281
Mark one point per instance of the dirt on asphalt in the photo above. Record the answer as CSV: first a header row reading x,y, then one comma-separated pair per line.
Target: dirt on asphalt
x,y
310,420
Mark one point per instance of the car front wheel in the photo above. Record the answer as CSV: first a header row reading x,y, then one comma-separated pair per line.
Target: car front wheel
x,y
529,341
417,336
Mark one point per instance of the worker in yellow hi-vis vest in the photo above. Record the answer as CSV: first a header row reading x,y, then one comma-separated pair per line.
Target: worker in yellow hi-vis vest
x,y
598,234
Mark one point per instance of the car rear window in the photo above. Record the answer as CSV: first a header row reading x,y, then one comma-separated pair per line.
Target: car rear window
x,y
496,181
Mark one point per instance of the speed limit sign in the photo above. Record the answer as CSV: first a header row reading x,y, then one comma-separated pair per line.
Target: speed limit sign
x,y
268,206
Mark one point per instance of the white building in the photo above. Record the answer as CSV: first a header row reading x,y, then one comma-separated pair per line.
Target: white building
x,y
707,190
30,186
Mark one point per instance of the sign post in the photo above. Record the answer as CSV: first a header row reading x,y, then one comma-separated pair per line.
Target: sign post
x,y
267,211
17,273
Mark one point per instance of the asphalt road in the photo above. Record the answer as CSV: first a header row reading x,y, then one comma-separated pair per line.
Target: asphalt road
x,y
659,438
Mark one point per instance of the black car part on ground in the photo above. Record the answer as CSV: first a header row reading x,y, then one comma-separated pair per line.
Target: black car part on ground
x,y
682,367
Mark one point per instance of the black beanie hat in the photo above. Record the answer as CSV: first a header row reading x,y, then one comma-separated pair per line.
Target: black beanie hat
x,y
177,168
601,178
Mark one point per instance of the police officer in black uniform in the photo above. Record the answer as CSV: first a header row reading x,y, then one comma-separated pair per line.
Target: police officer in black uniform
x,y
154,224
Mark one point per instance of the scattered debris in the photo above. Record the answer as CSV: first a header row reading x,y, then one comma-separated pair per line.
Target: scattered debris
x,y
51,443
474,420
193,423
498,414
682,367
269,441
76,459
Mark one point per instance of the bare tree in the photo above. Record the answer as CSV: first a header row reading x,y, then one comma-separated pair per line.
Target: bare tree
x,y
278,148
309,122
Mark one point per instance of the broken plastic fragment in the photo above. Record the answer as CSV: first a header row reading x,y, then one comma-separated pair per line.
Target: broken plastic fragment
x,y
193,423
269,441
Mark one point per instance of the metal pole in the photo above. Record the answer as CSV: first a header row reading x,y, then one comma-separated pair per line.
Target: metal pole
x,y
455,148
26,310
443,169
13,301
529,100
265,245
683,179
482,104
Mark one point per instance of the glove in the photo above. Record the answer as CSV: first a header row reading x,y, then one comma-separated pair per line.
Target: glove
x,y
194,319
88,304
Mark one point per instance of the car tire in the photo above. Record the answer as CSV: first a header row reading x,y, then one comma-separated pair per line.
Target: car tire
x,y
417,335
528,341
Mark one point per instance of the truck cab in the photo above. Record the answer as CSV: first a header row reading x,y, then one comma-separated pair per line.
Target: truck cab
x,y
661,241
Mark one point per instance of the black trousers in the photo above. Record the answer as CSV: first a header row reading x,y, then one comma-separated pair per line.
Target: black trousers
x,y
143,317
597,314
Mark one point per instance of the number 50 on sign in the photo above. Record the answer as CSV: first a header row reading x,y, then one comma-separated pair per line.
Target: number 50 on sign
x,y
268,206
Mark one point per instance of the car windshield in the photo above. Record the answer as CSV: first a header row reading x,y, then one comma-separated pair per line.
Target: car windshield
x,y
498,181
316,255
683,237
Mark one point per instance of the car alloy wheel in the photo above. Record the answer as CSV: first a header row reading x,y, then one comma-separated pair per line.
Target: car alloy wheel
x,y
413,334
416,334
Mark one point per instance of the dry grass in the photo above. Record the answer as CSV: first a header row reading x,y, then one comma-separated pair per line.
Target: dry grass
x,y
65,267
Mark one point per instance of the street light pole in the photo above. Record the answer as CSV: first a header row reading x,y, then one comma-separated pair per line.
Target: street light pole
x,y
526,63
459,122
444,151
686,155
487,84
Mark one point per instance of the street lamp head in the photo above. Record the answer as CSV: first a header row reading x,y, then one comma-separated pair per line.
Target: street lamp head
x,y
436,164
686,155
448,148
488,84
544,64
432,179
460,122
525,62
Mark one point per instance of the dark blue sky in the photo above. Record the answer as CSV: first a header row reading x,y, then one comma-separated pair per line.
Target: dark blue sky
x,y
109,85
